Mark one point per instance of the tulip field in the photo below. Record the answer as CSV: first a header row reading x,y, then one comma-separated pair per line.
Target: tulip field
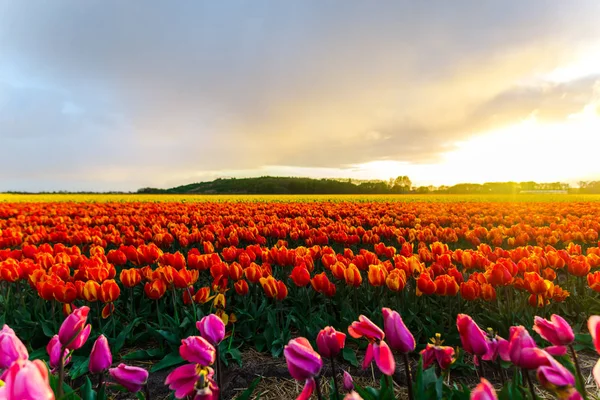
x,y
369,297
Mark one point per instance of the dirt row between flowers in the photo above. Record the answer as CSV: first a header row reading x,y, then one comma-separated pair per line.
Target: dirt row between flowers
x,y
276,383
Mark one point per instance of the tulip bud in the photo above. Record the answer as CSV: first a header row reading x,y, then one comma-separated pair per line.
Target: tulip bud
x,y
53,348
100,356
348,382
196,349
27,380
557,331
74,332
330,342
396,333
484,391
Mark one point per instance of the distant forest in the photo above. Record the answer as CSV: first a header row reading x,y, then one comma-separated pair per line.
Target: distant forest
x,y
399,185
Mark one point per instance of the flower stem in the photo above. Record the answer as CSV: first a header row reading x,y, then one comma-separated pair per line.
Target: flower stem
x,y
146,392
318,388
61,373
219,378
578,369
335,386
100,382
408,376
480,369
529,383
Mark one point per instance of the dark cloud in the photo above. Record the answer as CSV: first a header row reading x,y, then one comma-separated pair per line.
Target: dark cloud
x,y
113,93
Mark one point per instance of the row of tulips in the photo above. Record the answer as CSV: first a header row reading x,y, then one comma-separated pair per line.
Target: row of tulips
x,y
346,223
520,349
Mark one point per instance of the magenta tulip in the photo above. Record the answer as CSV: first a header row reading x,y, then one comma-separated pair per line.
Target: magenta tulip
x,y
131,378
100,356
26,380
212,329
53,348
554,375
473,338
183,379
330,342
484,391
365,327
497,346
523,351
348,382
557,331
396,333
11,348
303,363
197,350
74,332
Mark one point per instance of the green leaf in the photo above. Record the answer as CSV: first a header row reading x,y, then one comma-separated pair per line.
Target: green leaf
x,y
79,366
248,392
169,360
349,355
236,355
150,354
47,328
120,340
87,392
170,337
39,354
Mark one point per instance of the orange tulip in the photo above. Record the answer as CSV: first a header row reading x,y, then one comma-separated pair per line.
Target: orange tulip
x,y
184,278
425,285
269,285
282,290
300,276
253,273
352,276
202,295
109,291
235,271
445,285
338,270
377,275
535,284
65,292
156,289
322,284
470,290
488,293
130,277
579,266
91,291
594,281
241,287
396,280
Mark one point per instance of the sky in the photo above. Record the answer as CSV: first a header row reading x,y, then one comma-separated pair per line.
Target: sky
x,y
114,95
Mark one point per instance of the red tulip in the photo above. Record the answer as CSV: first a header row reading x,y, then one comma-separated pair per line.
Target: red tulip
x,y
365,327
26,380
330,342
300,276
100,356
131,378
443,355
484,391
473,338
557,331
396,333
212,329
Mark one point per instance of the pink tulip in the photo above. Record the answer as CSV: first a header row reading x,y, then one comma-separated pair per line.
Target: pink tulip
x,y
557,331
303,363
53,348
382,354
330,342
348,382
594,328
74,332
131,378
443,355
554,375
523,351
353,396
27,380
100,356
473,338
212,329
365,327
596,373
497,346
11,348
396,333
484,391
183,379
197,350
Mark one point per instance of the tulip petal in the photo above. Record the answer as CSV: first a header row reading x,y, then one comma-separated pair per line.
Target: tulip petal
x,y
368,356
596,373
309,387
384,358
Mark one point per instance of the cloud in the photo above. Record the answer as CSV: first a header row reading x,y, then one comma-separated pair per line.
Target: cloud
x,y
108,92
